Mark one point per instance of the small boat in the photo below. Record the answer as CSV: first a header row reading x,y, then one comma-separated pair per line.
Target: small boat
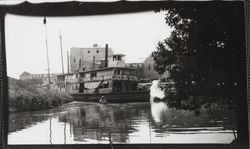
x,y
103,100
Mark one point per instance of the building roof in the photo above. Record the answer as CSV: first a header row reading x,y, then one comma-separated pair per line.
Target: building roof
x,y
25,73
106,68
100,69
88,48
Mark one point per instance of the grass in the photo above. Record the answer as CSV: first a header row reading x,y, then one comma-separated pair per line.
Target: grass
x,y
25,96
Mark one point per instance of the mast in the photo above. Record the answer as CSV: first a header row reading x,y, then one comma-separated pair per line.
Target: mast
x,y
61,52
47,49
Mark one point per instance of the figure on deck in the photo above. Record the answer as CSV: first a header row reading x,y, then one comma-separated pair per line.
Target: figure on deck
x,y
103,100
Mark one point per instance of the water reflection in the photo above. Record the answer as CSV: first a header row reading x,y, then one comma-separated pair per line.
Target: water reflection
x,y
80,122
159,111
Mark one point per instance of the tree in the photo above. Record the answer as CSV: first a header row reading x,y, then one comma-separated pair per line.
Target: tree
x,y
206,57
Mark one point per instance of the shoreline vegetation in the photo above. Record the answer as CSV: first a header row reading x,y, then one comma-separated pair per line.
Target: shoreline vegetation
x,y
30,95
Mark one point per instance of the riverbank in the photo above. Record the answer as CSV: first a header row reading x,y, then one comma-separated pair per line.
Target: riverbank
x,y
31,96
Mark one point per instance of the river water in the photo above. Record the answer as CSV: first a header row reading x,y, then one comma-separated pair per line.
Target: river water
x,y
85,122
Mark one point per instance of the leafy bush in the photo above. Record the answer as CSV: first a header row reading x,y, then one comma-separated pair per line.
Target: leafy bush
x,y
43,99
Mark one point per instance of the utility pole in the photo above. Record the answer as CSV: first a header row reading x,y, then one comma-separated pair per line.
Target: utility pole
x,y
61,52
47,49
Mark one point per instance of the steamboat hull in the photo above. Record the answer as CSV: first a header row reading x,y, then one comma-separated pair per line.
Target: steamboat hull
x,y
114,97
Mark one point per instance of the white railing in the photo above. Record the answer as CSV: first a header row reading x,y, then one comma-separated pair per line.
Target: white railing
x,y
109,77
72,80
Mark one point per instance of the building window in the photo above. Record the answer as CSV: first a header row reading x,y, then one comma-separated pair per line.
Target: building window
x,y
88,51
97,51
74,60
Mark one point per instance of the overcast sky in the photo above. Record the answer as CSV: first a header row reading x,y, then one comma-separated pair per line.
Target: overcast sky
x,y
136,35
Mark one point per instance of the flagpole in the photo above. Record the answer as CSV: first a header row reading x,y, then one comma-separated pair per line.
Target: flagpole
x,y
44,22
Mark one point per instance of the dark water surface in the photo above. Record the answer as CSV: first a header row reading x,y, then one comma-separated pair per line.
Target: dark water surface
x,y
85,122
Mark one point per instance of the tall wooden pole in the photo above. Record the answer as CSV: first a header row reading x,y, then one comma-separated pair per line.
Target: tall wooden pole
x,y
68,60
46,40
61,53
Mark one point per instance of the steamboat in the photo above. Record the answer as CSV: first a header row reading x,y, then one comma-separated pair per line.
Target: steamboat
x,y
112,80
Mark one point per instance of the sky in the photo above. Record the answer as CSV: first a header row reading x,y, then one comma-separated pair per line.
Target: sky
x,y
135,34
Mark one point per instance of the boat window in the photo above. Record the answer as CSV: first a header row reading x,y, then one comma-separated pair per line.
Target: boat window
x,y
82,75
88,51
119,57
118,72
106,85
93,74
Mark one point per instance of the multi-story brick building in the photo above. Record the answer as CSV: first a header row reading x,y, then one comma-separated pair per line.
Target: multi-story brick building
x,y
87,58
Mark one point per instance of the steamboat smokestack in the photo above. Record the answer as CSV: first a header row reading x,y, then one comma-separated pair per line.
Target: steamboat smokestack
x,y
93,62
106,55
